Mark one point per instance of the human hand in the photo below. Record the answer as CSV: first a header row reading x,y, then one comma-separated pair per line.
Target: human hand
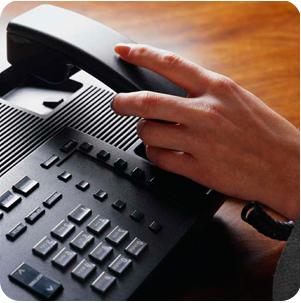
x,y
221,135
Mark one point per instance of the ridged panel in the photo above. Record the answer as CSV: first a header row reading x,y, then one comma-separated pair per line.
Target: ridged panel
x,y
89,112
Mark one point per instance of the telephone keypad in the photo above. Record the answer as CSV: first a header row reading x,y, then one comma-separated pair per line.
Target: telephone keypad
x,y
119,233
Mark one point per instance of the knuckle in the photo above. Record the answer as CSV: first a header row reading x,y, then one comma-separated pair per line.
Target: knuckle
x,y
149,100
214,112
143,130
172,59
224,83
139,51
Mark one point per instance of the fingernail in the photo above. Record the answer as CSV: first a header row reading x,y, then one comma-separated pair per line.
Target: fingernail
x,y
112,102
122,49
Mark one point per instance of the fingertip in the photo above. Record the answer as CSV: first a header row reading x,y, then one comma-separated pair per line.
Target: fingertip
x,y
115,102
122,49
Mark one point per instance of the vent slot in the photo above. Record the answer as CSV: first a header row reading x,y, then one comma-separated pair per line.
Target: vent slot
x,y
89,112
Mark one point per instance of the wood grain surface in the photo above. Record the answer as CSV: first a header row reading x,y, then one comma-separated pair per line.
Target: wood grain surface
x,y
256,44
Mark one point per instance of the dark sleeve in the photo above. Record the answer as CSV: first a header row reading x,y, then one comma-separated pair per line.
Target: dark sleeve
x,y
287,275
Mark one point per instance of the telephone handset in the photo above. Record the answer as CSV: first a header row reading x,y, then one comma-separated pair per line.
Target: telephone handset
x,y
49,40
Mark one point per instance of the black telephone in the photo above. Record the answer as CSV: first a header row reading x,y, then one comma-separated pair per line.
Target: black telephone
x,y
85,214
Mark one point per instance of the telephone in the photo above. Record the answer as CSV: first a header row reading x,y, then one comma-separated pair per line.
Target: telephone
x,y
83,214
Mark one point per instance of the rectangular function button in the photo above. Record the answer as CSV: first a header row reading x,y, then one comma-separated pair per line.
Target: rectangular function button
x,y
117,235
100,195
103,282
25,186
120,264
136,247
155,227
119,205
35,215
68,146
64,176
82,241
137,215
64,258
120,164
98,224
82,185
9,200
100,252
45,247
80,214
86,147
16,232
103,155
34,281
50,161
50,201
63,230
83,270
138,174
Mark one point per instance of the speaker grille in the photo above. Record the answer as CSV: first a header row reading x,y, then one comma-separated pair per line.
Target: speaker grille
x,y
89,112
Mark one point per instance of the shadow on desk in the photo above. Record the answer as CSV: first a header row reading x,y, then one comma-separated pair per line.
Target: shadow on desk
x,y
214,264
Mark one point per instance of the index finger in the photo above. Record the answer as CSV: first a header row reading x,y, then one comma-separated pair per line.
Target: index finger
x,y
150,105
190,76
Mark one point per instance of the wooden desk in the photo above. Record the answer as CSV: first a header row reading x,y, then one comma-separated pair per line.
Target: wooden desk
x,y
257,44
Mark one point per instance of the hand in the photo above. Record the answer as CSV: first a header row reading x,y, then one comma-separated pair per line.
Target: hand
x,y
221,135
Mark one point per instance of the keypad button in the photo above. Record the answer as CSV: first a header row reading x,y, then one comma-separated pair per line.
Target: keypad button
x,y
45,247
63,230
155,227
34,281
103,282
100,195
103,155
46,288
86,147
80,214
100,252
119,205
82,185
98,225
120,265
35,215
16,232
83,270
50,161
50,201
136,247
82,241
9,200
137,215
64,176
64,258
138,174
68,146
120,164
117,235
25,186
